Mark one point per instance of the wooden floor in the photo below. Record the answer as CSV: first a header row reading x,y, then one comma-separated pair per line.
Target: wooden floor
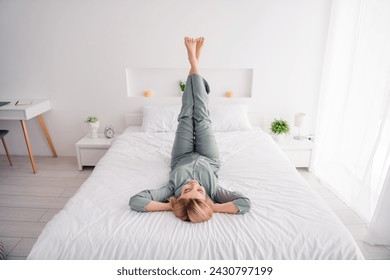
x,y
28,202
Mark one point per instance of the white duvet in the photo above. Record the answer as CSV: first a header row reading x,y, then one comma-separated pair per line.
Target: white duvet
x,y
287,219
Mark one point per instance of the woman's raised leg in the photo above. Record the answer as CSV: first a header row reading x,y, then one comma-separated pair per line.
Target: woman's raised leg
x,y
205,143
184,138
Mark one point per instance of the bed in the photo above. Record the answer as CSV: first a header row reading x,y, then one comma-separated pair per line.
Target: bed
x,y
288,220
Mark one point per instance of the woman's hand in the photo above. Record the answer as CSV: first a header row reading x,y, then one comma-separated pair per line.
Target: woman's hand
x,y
227,207
158,206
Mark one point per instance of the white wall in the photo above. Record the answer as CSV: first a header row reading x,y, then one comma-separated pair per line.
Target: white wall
x,y
76,51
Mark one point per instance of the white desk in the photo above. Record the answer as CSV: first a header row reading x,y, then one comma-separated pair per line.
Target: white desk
x,y
23,113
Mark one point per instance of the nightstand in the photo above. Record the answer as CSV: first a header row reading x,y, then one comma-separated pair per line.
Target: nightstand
x,y
298,151
90,150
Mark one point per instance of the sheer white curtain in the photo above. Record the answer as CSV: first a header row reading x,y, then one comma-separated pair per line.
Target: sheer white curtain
x,y
352,149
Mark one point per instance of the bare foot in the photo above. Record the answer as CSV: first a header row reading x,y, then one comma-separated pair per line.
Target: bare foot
x,y
199,46
191,50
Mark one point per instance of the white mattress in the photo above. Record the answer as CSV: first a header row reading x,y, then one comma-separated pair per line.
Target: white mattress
x,y
288,220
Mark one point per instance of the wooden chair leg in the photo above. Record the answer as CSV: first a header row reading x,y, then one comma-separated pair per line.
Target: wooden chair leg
x,y
6,151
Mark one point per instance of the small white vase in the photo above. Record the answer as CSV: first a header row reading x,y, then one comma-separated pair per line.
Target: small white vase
x,y
93,129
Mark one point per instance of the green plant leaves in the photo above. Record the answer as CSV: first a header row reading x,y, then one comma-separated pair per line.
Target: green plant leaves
x,y
91,119
279,126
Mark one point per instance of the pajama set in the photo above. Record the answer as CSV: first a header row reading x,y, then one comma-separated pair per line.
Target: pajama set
x,y
194,154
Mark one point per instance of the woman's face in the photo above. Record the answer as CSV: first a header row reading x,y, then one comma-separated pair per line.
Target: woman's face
x,y
193,190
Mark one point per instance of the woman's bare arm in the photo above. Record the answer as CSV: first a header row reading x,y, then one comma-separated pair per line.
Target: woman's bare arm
x,y
158,206
227,207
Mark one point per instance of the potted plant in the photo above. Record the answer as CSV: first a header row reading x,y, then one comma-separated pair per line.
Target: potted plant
x,y
182,85
278,128
93,126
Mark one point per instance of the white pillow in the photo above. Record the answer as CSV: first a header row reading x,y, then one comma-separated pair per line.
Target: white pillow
x,y
160,118
224,118
230,117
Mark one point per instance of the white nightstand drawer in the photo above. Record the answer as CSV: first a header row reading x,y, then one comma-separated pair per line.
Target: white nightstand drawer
x,y
299,158
90,157
90,150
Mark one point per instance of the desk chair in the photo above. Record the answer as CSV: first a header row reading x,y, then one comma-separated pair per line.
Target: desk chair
x,y
3,133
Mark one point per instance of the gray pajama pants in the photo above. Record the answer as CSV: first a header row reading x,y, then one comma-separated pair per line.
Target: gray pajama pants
x,y
195,132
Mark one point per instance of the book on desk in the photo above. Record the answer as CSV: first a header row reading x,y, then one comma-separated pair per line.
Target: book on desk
x,y
21,102
2,103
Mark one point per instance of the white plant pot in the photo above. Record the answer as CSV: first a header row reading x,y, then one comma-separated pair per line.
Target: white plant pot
x,y
278,137
93,129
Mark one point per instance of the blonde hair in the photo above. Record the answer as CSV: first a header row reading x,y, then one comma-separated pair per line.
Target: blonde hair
x,y
193,210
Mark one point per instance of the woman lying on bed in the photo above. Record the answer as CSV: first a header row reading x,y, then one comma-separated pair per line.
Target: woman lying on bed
x,y
192,193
